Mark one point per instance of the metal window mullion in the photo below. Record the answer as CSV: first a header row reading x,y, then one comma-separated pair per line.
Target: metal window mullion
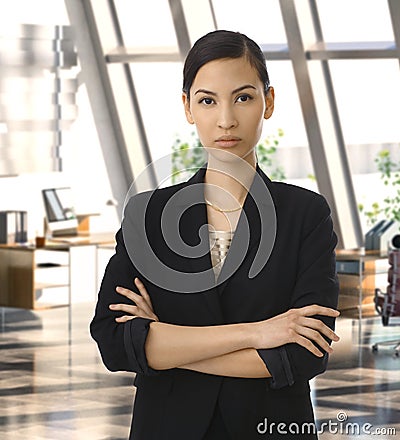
x,y
197,17
394,9
137,114
334,184
57,100
214,17
95,76
181,30
135,57
94,31
132,143
340,142
351,54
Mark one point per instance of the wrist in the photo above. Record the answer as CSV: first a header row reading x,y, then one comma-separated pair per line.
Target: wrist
x,y
251,334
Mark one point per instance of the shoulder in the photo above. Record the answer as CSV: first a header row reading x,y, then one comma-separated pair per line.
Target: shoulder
x,y
156,197
180,193
302,210
298,198
300,206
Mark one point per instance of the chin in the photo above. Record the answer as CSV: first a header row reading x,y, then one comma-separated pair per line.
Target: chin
x,y
228,155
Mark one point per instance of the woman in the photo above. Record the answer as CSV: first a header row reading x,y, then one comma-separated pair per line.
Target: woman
x,y
227,356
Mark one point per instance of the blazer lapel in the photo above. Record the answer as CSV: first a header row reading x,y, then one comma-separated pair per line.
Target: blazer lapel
x,y
194,231
256,226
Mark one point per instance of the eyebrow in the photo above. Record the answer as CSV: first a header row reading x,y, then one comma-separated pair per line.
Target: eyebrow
x,y
239,89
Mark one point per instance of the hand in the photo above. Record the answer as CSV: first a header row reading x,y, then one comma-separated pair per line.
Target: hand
x,y
296,326
142,308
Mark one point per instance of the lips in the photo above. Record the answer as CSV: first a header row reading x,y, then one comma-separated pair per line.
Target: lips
x,y
227,141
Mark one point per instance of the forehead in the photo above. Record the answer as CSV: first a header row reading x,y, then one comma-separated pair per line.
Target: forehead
x,y
226,73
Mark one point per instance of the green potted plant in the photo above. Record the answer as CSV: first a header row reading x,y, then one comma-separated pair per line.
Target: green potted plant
x,y
389,207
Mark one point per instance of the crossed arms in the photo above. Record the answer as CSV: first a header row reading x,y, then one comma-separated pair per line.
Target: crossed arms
x,y
226,350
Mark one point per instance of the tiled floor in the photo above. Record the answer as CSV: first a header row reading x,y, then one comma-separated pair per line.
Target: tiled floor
x,y
53,385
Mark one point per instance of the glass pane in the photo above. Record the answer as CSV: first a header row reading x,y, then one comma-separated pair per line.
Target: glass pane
x,y
259,19
146,23
287,113
368,96
355,20
293,155
161,104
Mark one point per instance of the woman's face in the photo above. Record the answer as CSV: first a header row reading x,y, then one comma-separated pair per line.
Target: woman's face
x,y
228,105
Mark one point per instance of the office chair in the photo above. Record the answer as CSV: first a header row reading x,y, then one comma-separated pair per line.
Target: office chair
x,y
387,304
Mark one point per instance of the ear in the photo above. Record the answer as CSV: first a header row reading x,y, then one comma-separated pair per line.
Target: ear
x,y
186,105
269,103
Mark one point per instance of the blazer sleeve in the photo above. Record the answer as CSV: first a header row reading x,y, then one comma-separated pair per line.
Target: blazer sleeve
x,y
121,345
316,283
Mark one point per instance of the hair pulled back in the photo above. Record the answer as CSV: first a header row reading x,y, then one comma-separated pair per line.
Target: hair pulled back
x,y
223,44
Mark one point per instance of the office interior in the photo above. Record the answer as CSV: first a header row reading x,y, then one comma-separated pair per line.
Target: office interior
x,y
90,111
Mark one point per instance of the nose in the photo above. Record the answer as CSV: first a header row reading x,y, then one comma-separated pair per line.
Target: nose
x,y
226,118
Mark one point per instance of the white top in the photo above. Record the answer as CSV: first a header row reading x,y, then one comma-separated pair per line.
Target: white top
x,y
220,242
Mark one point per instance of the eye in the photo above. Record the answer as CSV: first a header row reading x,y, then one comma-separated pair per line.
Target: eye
x,y
206,101
243,98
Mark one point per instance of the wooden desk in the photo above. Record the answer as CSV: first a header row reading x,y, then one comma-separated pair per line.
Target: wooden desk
x,y
357,287
26,272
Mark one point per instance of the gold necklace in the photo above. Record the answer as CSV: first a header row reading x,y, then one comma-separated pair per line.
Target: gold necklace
x,y
217,208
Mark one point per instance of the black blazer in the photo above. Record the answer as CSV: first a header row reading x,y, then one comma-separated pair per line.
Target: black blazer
x,y
178,404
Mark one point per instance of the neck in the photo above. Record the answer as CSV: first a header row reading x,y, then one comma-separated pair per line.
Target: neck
x,y
227,183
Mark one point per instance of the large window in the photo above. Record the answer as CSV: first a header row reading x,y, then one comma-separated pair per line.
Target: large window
x,y
334,67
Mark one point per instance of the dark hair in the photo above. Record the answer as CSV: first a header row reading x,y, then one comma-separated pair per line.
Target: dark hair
x,y
223,44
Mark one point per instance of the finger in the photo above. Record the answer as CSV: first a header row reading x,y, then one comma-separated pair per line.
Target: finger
x,y
139,314
126,292
143,292
315,309
306,343
322,328
315,336
135,297
124,318
133,310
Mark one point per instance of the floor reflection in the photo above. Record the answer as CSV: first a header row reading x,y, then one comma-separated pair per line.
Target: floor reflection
x,y
53,385
360,392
